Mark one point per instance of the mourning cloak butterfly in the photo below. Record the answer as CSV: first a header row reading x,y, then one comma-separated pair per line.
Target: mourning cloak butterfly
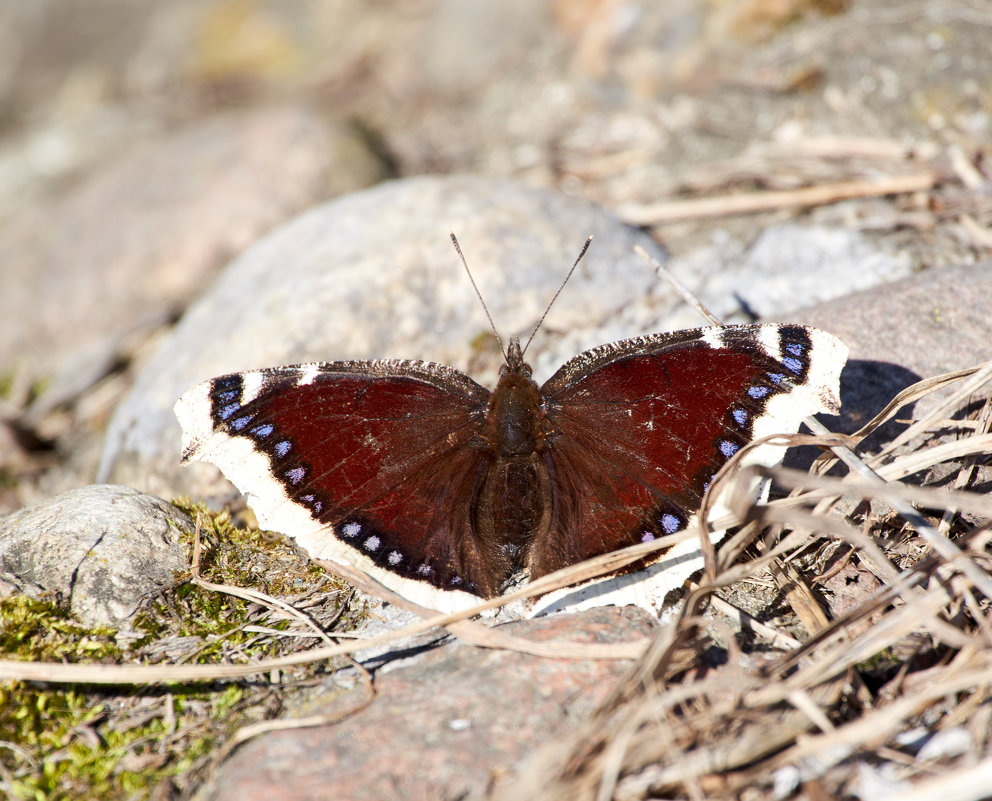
x,y
442,490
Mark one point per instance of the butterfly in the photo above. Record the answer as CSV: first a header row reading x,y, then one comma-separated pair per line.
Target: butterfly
x,y
445,491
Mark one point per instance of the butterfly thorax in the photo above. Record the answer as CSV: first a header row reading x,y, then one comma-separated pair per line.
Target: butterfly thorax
x,y
514,415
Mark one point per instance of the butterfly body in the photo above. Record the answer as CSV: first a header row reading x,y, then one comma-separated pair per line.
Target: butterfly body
x,y
512,502
444,491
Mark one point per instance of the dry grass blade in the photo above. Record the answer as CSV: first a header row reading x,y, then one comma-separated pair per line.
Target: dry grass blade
x,y
776,638
925,458
485,637
980,375
967,784
923,496
249,594
160,674
909,658
753,202
825,486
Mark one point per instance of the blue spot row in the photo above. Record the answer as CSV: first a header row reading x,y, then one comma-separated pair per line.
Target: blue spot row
x,y
296,474
239,423
668,520
225,395
228,410
795,346
312,502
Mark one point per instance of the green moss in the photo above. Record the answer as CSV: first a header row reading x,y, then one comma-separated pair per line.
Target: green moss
x,y
9,479
61,741
239,557
37,629
883,661
70,742
107,764
68,749
248,557
38,387
483,342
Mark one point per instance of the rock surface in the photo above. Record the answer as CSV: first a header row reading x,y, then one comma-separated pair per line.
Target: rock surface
x,y
138,240
931,323
373,275
787,266
446,725
98,549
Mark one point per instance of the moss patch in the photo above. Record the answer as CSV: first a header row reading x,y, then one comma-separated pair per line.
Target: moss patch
x,y
70,742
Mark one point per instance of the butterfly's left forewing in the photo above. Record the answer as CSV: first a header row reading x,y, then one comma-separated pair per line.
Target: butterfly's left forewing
x,y
365,462
638,428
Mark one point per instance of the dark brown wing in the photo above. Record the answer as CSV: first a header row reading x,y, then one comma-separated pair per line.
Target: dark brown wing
x,y
374,463
639,427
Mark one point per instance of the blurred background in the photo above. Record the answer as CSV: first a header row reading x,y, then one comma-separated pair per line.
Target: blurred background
x,y
616,100
144,144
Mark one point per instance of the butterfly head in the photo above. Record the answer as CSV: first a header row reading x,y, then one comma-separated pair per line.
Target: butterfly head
x,y
515,360
515,364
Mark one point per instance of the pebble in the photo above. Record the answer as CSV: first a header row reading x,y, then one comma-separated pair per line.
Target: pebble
x,y
98,549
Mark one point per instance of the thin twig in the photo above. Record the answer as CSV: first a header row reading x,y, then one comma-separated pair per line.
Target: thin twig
x,y
753,202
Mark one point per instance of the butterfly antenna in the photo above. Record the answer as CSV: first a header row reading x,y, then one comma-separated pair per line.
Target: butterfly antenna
x,y
478,294
582,253
678,286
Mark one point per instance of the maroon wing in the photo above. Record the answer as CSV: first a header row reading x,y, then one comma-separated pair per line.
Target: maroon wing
x,y
639,428
385,455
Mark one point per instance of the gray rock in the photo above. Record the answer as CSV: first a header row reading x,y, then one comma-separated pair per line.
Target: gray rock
x,y
930,323
481,40
374,275
788,266
100,549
